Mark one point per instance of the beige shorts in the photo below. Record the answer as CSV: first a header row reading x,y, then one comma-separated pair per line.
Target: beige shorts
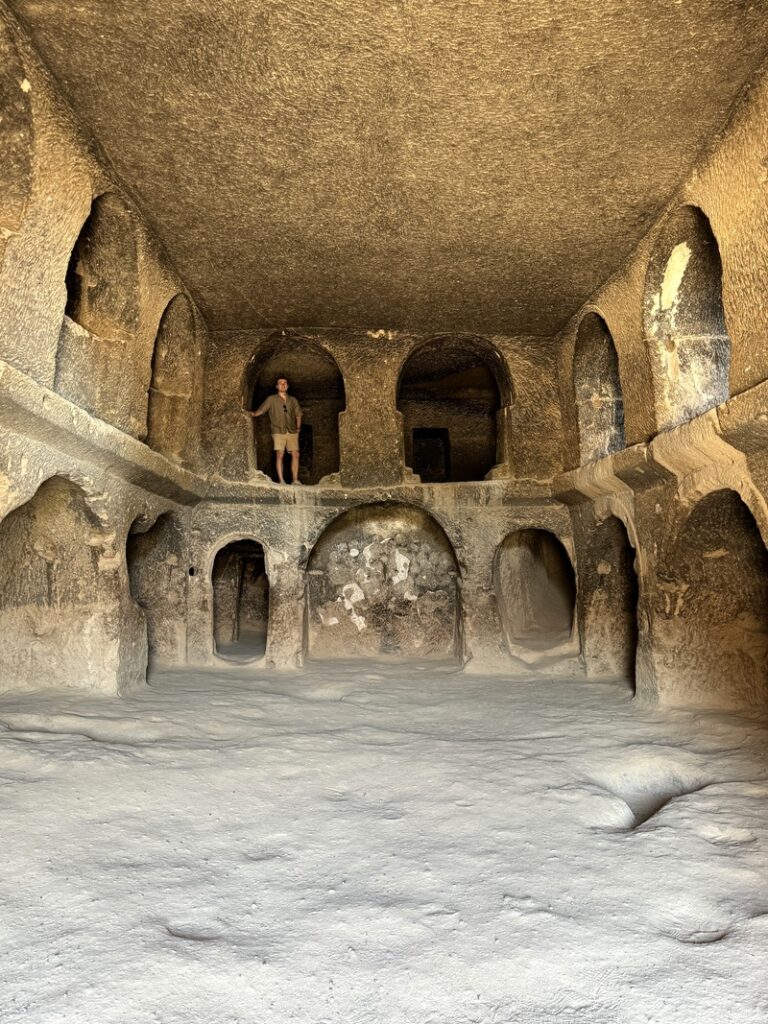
x,y
285,442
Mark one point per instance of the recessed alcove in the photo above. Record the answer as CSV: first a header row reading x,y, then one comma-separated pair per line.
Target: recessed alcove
x,y
382,582
55,601
450,392
535,589
685,319
610,594
597,388
176,361
315,380
240,586
712,633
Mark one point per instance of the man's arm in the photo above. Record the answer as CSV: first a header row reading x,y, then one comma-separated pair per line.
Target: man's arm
x,y
261,410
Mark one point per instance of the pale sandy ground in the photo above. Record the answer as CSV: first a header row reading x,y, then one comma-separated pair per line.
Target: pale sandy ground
x,y
380,845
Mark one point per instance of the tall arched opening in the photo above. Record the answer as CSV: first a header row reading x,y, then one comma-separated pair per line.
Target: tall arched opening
x,y
172,420
535,590
157,573
712,630
685,319
608,602
382,582
59,611
95,363
451,393
240,601
597,387
315,380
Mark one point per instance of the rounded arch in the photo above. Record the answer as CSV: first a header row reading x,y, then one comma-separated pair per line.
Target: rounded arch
x,y
450,392
171,420
609,591
535,585
16,138
684,318
597,389
382,581
58,608
315,379
712,628
102,277
240,591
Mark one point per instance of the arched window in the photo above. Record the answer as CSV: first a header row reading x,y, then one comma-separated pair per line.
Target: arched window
x,y
599,402
240,601
450,393
315,380
172,420
382,581
685,320
535,590
712,624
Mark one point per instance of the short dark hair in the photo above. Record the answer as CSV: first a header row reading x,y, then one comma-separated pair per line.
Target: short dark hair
x,y
281,376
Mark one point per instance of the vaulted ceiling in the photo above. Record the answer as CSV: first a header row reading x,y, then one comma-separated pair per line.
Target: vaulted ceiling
x,y
442,165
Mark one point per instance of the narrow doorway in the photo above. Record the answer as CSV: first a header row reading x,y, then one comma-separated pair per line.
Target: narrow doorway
x,y
240,601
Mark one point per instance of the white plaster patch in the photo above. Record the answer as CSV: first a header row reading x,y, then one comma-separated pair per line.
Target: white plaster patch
x,y
26,85
352,595
719,553
401,573
673,275
603,568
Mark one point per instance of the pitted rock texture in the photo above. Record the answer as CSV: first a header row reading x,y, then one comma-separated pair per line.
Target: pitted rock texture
x,y
383,582
432,165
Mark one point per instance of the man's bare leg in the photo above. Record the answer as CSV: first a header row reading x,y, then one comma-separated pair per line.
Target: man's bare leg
x,y
279,460
295,466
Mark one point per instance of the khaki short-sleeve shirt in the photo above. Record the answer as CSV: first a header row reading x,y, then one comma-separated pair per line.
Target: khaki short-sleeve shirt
x,y
282,414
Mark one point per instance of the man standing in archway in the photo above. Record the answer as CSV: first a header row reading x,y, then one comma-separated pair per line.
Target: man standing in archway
x,y
285,424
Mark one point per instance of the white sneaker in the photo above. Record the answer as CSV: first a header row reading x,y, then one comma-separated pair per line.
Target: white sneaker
x,y
297,483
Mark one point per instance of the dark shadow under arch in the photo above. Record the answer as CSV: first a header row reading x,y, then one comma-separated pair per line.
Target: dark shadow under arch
x,y
450,393
382,582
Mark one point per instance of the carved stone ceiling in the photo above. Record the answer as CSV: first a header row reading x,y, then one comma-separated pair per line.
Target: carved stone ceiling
x,y
478,165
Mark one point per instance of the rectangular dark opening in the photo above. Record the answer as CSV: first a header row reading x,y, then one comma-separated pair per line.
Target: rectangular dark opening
x,y
307,448
432,454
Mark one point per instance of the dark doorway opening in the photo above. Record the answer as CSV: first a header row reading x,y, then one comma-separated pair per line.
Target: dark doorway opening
x,y
240,601
432,454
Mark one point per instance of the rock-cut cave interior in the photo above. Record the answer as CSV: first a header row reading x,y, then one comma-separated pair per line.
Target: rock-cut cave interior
x,y
463,720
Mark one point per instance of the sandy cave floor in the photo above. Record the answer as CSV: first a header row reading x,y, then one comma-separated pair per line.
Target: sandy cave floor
x,y
379,844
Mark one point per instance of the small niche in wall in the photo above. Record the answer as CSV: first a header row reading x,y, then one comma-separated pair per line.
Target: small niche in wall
x,y
431,454
535,590
240,601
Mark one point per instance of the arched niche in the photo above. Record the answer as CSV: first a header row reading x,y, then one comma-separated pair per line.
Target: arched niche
x,y
450,394
685,319
240,601
712,634
315,380
535,590
382,582
58,608
597,387
96,365
172,420
609,592
16,139
157,576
